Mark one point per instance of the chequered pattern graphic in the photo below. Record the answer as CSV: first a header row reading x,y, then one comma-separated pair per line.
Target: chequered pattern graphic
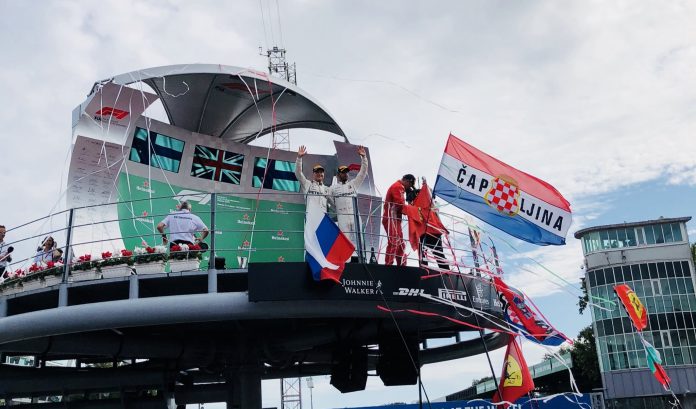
x,y
503,197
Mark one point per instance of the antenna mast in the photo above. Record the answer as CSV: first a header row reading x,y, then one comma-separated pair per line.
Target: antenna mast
x,y
278,67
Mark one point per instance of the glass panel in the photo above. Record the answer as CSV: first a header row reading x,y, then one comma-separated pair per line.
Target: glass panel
x,y
666,339
656,288
626,270
640,235
689,286
653,270
673,286
686,269
604,239
631,237
649,235
594,241
670,269
664,286
613,238
681,285
216,164
676,232
644,274
599,276
687,355
638,288
676,304
678,357
591,276
667,231
632,359
621,237
661,271
275,174
659,236
668,356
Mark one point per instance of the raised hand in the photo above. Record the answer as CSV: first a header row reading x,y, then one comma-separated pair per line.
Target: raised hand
x,y
361,150
302,151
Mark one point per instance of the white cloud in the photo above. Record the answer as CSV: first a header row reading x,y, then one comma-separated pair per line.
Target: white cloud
x,y
591,97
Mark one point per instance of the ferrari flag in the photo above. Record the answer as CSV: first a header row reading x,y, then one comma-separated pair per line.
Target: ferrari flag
x,y
633,306
513,201
516,381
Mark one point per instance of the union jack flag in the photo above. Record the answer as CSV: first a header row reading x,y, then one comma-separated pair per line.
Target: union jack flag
x,y
216,164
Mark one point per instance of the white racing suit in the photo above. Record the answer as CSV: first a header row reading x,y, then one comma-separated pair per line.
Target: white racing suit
x,y
342,195
315,193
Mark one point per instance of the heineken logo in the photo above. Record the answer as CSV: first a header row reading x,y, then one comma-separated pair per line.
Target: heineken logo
x,y
280,236
245,220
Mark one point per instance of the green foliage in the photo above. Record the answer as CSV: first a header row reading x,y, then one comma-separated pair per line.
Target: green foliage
x,y
585,299
585,362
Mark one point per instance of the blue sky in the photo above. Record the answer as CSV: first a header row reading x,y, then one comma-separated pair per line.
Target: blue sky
x,y
598,99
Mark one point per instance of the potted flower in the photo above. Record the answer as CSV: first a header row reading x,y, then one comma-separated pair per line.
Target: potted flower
x,y
10,282
84,268
149,260
32,278
184,257
116,265
52,274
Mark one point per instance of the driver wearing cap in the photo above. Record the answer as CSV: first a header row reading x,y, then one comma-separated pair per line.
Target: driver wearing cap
x,y
315,190
343,192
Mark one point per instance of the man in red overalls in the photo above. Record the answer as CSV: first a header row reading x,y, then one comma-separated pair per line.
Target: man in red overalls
x,y
391,219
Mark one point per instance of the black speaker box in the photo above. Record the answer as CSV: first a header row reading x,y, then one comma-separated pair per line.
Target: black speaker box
x,y
398,362
349,371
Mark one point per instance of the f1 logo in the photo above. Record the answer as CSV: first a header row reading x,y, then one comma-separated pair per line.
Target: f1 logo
x,y
110,111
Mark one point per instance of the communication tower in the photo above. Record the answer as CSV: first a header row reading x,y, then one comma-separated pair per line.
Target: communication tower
x,y
278,67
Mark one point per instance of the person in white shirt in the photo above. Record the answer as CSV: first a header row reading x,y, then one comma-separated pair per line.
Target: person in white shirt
x,y
342,193
44,253
182,226
315,190
5,251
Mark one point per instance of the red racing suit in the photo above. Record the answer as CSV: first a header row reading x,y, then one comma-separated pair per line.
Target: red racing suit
x,y
391,220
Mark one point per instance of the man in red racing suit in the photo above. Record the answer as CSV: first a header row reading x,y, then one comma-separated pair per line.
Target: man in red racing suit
x,y
391,219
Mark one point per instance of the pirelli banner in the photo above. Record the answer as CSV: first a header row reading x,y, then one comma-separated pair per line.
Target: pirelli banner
x,y
294,282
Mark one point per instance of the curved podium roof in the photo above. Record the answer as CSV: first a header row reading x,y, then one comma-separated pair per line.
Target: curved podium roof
x,y
233,103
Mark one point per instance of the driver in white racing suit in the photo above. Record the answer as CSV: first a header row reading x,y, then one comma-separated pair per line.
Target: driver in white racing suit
x,y
343,192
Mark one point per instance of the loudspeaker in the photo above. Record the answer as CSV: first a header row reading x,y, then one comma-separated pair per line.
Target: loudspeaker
x,y
349,371
396,361
219,263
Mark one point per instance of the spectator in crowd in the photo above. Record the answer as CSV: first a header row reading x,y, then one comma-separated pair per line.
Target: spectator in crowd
x,y
5,251
44,253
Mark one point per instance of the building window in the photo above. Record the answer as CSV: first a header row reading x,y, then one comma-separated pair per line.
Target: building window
x,y
164,151
656,288
666,339
217,164
275,174
676,232
640,235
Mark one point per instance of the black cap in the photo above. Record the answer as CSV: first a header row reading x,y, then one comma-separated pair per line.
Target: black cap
x,y
409,177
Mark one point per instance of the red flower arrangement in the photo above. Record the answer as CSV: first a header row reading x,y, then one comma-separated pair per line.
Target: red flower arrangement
x,y
126,253
150,250
106,254
83,263
35,268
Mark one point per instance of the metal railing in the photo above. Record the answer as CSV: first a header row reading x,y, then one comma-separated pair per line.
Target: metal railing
x,y
122,225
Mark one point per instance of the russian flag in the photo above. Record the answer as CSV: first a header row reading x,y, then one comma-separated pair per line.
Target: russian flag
x,y
513,201
327,247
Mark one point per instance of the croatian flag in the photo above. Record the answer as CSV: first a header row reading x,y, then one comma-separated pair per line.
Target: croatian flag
x,y
327,247
515,202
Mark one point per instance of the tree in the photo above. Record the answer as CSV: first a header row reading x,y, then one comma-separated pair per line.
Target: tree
x,y
585,299
585,362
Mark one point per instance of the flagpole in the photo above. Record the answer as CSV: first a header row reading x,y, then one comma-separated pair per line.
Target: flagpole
x,y
481,333
476,318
